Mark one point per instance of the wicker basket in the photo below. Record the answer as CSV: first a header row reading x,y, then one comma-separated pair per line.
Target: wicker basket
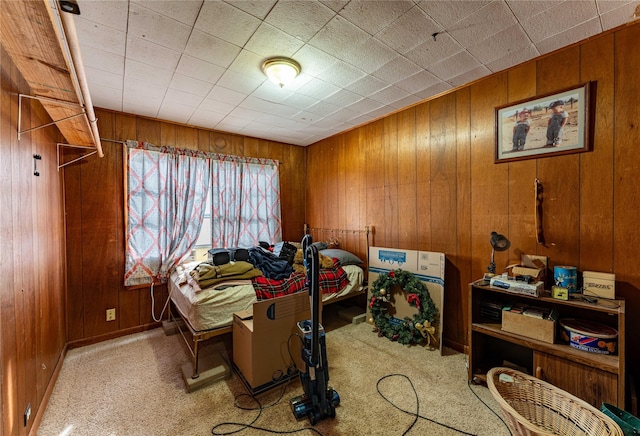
x,y
534,407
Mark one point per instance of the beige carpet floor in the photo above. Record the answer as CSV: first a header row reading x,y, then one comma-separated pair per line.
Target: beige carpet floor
x,y
133,386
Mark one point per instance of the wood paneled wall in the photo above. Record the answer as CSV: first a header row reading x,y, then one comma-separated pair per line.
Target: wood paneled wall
x,y
94,194
425,178
32,253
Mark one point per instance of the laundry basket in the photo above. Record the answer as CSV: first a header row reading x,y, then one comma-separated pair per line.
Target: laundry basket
x,y
531,406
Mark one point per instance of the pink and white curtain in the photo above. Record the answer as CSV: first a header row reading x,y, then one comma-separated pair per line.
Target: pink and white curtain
x,y
245,200
166,194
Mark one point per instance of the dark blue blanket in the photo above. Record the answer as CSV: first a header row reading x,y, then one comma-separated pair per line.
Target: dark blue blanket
x,y
272,266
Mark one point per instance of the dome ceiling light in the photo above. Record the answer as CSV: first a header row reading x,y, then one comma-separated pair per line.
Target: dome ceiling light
x,y
281,70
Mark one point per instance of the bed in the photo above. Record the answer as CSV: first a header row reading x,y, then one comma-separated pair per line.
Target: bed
x,y
199,314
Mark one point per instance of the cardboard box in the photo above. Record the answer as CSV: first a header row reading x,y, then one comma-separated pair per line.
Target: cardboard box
x,y
598,284
261,340
536,328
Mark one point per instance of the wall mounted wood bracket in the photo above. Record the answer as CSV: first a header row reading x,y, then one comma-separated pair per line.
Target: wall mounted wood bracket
x,y
49,100
59,145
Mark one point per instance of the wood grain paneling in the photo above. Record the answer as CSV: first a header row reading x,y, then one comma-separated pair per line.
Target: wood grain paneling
x,y
32,309
460,195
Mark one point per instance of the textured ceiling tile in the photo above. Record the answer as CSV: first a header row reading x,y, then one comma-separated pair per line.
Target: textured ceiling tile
x,y
503,43
270,41
454,66
367,85
148,109
324,108
559,18
397,69
318,89
404,102
409,30
615,17
469,76
226,95
484,23
343,98
199,69
514,58
447,12
389,95
271,92
104,78
299,101
417,82
226,22
373,16
243,83
249,64
300,18
338,36
154,75
342,74
183,98
569,36
190,85
185,11
111,98
434,50
216,106
524,10
435,89
113,14
257,8
175,111
149,53
203,117
211,49
99,36
157,28
370,55
102,60
314,61
136,89
335,5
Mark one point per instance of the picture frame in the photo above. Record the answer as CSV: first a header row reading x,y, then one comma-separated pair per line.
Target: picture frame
x,y
526,129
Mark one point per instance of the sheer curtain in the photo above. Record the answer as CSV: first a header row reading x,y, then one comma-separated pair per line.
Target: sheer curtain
x,y
245,202
166,193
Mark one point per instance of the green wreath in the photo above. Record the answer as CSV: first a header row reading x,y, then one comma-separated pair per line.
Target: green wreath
x,y
406,331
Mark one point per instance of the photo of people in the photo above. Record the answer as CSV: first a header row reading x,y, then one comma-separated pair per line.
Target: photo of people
x,y
546,125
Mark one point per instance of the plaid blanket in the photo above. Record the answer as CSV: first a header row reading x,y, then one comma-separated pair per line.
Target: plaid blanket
x,y
332,280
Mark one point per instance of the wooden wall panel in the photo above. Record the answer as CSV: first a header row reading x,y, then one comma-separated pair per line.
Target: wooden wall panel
x,y
626,190
461,194
96,188
407,175
32,309
423,177
522,175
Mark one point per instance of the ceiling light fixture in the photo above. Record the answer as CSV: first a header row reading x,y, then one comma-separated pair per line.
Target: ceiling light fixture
x,y
281,70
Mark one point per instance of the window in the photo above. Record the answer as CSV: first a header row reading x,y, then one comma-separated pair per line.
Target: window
x,y
181,199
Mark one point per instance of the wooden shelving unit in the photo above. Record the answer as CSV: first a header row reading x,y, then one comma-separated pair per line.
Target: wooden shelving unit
x,y
596,378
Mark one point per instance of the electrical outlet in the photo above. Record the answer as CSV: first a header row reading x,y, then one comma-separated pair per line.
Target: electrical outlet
x,y
111,314
27,414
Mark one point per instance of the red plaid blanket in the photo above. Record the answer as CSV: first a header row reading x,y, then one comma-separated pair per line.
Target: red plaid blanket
x,y
332,280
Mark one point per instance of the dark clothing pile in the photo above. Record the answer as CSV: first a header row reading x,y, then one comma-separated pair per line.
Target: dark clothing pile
x,y
272,266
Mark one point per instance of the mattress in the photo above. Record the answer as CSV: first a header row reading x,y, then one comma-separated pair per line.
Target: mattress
x,y
213,308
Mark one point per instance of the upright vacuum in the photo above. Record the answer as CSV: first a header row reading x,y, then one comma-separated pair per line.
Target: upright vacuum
x,y
318,401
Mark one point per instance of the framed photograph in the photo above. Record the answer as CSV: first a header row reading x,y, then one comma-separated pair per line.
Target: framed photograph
x,y
552,124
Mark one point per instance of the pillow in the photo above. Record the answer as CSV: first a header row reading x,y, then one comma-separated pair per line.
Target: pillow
x,y
344,257
320,245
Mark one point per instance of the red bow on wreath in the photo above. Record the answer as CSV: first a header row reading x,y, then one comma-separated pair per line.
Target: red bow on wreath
x,y
373,300
415,299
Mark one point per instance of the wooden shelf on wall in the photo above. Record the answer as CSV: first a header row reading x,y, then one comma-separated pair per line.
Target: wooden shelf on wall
x,y
34,40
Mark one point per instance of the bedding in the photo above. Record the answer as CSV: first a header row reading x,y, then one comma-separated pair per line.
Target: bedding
x,y
212,307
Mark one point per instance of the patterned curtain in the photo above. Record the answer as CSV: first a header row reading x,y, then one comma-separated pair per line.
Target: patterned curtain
x,y
166,193
245,202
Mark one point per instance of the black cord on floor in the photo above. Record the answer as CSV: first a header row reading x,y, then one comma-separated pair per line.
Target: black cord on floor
x,y
417,415
487,406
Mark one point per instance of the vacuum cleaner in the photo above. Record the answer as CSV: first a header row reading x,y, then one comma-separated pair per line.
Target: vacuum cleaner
x,y
318,401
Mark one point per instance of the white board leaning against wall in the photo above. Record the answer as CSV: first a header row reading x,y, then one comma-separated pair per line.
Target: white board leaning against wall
x,y
427,266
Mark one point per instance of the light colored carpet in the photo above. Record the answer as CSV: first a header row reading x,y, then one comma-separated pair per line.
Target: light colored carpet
x,y
133,386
